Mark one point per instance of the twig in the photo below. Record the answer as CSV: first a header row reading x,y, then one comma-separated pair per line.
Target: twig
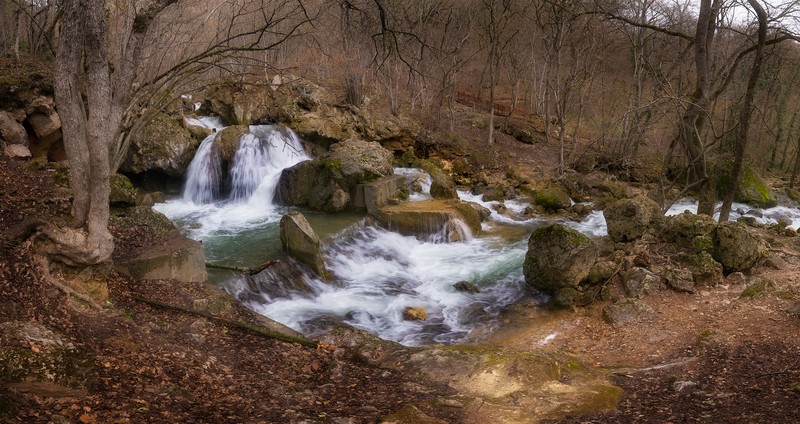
x,y
236,324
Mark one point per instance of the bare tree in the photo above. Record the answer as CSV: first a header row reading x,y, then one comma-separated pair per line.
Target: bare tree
x,y
97,131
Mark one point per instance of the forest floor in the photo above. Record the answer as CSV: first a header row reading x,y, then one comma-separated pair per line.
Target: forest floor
x,y
148,364
721,355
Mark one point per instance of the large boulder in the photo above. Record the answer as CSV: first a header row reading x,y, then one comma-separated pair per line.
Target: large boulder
x,y
11,131
737,247
752,188
558,259
301,242
329,182
552,197
163,145
17,151
629,219
442,186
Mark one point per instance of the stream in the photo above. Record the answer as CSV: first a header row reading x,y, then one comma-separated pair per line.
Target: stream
x,y
377,273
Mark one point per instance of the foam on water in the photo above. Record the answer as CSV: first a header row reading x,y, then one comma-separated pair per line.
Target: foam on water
x,y
379,273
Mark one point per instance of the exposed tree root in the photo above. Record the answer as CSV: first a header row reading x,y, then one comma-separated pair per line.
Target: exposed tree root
x,y
44,265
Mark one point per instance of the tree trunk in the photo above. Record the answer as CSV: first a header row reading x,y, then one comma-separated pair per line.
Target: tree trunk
x,y
747,110
88,135
492,83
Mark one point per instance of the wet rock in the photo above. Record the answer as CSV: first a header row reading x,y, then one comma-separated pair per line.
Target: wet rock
x,y
431,217
581,210
552,198
442,186
321,184
227,140
17,151
123,193
301,242
11,131
150,199
415,313
680,279
466,287
626,311
558,258
640,281
483,212
378,193
629,219
737,247
163,145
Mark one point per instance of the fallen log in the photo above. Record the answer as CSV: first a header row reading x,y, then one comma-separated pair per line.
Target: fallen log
x,y
231,323
244,270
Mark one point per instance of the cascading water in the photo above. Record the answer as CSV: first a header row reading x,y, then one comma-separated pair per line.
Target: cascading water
x,y
379,273
208,212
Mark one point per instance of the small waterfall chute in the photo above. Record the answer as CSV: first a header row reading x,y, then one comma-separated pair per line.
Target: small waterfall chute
x,y
204,174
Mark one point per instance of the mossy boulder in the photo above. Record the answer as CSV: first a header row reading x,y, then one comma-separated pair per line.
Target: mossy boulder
x,y
558,260
123,193
752,188
689,230
737,247
329,182
227,140
629,219
552,198
705,270
163,145
442,186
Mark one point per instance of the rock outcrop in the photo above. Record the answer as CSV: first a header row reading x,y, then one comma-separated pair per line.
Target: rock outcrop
x,y
301,242
11,131
179,259
558,260
629,219
163,145
329,182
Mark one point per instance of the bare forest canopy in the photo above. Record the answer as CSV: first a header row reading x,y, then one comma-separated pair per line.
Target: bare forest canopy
x,y
620,76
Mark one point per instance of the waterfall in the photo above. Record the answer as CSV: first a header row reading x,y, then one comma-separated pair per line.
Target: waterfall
x,y
204,174
261,155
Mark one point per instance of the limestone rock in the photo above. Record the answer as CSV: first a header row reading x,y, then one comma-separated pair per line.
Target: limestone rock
x,y
601,272
330,182
44,124
163,145
686,228
415,313
552,198
442,186
640,281
430,218
301,242
558,257
705,270
226,141
11,131
629,219
737,247
123,193
17,151
179,259
752,188
680,279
